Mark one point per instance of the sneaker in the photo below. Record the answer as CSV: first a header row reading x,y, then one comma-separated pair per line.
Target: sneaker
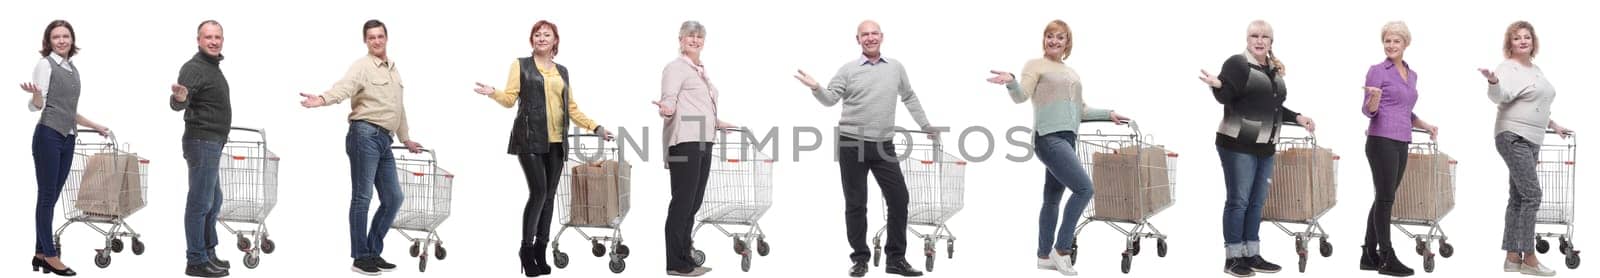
x,y
1063,263
365,267
1538,270
1047,264
1511,266
1237,267
1261,265
382,264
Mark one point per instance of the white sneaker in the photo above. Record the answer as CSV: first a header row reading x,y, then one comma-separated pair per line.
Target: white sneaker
x,y
1539,270
1511,266
1063,263
1047,264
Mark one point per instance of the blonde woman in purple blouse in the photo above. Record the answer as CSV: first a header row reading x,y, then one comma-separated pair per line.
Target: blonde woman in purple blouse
x,y
1391,94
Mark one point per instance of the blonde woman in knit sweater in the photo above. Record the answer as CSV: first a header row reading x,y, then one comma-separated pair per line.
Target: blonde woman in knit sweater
x,y
1058,107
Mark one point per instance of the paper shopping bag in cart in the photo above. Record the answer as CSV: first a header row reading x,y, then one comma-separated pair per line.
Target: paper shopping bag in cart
x,y
1427,190
1130,183
111,185
579,205
609,191
1302,184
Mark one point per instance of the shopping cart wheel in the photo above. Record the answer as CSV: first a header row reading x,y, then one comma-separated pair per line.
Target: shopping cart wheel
x,y
739,247
102,259
138,247
762,248
877,254
1134,248
438,251
1543,246
1422,247
930,263
1572,260
597,250
242,243
561,259
416,249
1327,249
744,263
617,266
1127,262
268,246
1161,248
422,264
699,257
1427,263
116,245
950,249
251,261
1446,250
1074,252
1302,263
1566,245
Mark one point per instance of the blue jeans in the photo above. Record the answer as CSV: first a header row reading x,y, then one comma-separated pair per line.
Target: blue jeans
x,y
1248,177
204,200
52,160
371,166
1063,171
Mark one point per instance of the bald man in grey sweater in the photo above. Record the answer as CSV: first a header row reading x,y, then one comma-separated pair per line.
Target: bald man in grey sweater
x,y
870,87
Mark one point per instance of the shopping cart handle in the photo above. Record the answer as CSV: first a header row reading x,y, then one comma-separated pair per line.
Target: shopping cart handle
x,y
733,129
256,130
1552,131
1419,130
426,150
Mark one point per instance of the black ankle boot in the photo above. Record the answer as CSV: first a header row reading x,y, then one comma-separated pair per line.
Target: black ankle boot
x,y
540,265
525,256
1370,258
1392,265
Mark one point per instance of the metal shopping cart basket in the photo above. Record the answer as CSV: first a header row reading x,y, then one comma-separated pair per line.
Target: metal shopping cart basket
x,y
427,202
1558,180
593,194
105,186
1426,195
936,182
1133,181
1304,188
249,177
739,193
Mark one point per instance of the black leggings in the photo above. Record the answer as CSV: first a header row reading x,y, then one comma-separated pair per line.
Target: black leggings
x,y
1388,160
543,171
690,166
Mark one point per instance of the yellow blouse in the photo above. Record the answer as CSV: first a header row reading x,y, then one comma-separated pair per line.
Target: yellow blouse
x,y
553,84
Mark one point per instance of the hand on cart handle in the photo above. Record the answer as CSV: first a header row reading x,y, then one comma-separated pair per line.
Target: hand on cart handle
x,y
1432,131
413,146
102,130
603,133
1119,119
1560,130
1302,120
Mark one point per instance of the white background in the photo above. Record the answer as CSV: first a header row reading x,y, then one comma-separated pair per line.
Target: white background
x,y
1140,58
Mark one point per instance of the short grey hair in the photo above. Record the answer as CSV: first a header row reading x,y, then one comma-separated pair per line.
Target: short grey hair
x,y
691,28
1397,28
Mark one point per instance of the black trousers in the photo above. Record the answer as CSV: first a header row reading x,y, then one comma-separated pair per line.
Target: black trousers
x,y
690,166
543,171
1388,160
857,158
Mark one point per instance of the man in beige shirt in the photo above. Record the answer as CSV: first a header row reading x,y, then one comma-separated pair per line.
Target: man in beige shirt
x,y
377,108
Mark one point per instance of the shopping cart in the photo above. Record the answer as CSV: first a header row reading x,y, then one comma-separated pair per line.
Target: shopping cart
x,y
1426,195
1304,188
739,193
1557,178
427,202
105,186
1133,181
600,201
936,181
249,177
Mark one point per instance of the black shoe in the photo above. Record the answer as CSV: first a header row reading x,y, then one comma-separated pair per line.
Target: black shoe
x,y
540,265
1238,267
1393,267
1261,265
1369,258
525,257
901,267
383,265
366,266
43,266
859,269
204,270
217,262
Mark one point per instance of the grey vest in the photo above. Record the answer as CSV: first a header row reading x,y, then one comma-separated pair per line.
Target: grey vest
x,y
61,107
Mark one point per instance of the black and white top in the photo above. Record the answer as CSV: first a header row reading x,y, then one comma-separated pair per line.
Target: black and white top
x,y
58,80
1252,96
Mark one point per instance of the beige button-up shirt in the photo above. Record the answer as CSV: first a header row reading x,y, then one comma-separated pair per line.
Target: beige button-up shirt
x,y
376,92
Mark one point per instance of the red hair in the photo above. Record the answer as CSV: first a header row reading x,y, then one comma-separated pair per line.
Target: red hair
x,y
555,48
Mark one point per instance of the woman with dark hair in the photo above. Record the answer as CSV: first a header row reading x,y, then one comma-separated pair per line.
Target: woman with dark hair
x,y
55,89
536,135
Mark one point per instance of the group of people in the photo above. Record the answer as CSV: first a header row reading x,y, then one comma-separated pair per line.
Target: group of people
x,y
1250,87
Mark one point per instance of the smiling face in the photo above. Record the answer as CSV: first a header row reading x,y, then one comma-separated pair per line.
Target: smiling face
x,y
870,37
1055,44
692,44
61,41
1394,46
1259,39
1523,43
544,40
210,39
377,39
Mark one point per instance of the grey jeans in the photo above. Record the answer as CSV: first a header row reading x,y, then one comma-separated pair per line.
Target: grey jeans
x,y
1521,158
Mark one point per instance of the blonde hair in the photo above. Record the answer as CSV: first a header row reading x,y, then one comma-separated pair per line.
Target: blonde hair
x,y
1398,28
1059,26
1511,31
1271,58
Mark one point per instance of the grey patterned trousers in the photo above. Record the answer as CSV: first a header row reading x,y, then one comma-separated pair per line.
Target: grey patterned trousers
x,y
1521,158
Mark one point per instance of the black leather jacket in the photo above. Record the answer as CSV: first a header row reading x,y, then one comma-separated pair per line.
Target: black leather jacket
x,y
530,133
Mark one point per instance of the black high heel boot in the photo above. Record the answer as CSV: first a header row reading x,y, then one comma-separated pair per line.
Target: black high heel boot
x,y
525,256
540,265
1370,260
44,266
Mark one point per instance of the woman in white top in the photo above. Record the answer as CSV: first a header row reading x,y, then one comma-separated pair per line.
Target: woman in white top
x,y
55,89
1524,96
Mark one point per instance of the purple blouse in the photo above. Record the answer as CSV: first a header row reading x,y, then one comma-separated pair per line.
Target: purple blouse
x,y
1393,118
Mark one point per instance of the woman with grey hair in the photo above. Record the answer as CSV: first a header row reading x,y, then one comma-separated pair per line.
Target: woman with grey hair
x,y
688,109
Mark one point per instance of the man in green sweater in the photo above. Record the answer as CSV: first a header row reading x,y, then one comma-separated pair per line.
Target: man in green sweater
x,y
202,93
